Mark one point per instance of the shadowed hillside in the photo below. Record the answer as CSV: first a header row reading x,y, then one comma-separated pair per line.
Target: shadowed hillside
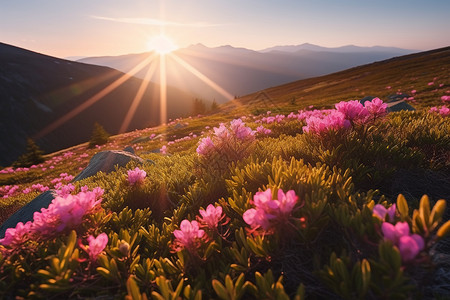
x,y
37,90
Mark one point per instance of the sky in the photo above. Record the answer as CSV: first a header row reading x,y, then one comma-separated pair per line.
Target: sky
x,y
113,27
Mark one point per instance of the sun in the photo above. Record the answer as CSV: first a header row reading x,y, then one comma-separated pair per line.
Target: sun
x,y
161,44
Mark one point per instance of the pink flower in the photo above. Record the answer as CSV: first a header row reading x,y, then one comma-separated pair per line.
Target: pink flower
x,y
376,107
163,150
444,111
445,98
353,110
211,216
286,202
334,121
388,87
380,211
430,83
408,245
136,176
17,235
256,218
433,109
262,130
189,235
221,132
267,211
97,245
413,91
393,233
205,146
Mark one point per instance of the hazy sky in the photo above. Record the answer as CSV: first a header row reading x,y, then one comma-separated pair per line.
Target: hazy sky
x,y
111,27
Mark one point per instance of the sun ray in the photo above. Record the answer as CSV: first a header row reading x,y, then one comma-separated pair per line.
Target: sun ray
x,y
201,76
163,89
138,98
88,103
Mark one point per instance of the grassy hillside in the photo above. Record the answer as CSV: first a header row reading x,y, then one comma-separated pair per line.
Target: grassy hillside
x,y
306,202
381,79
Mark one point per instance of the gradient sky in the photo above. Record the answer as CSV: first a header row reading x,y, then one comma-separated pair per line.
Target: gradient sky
x,y
112,27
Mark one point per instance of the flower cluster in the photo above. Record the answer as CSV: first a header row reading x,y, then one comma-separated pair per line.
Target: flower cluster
x,y
269,212
63,177
136,176
408,244
190,236
344,116
63,213
211,216
8,190
262,130
96,245
334,121
443,111
230,142
353,111
380,211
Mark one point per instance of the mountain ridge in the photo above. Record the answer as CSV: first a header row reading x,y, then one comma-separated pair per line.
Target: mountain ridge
x,y
240,71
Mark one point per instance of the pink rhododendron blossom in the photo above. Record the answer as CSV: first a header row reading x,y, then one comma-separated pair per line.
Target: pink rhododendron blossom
x,y
413,91
444,111
334,121
211,216
408,245
268,211
286,202
257,218
353,110
17,235
205,146
97,245
136,176
430,83
376,107
262,130
231,143
433,109
163,149
189,235
445,98
221,132
241,131
380,211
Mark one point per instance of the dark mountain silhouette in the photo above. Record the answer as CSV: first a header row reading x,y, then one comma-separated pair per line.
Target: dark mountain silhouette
x,y
37,90
240,71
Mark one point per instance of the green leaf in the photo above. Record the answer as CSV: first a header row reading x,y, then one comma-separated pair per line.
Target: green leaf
x,y
443,230
438,211
402,206
133,289
424,212
366,274
220,289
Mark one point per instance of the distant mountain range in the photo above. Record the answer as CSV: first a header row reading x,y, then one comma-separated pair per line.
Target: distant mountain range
x,y
241,71
38,90
342,49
